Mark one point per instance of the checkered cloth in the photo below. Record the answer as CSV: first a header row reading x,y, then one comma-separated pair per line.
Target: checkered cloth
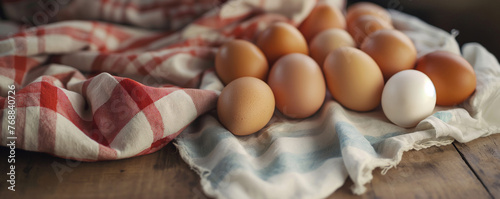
x,y
87,88
111,79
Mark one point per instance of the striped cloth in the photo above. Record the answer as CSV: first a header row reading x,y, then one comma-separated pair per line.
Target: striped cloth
x,y
94,90
111,79
311,158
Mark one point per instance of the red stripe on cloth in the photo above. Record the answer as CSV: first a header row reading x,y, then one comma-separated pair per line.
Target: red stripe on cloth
x,y
20,68
23,68
116,32
40,33
94,40
76,33
96,135
106,153
151,64
15,67
29,95
203,100
158,93
115,66
137,93
141,97
97,64
68,76
115,113
196,41
155,146
131,57
20,43
66,109
68,30
48,118
121,63
49,94
247,33
142,42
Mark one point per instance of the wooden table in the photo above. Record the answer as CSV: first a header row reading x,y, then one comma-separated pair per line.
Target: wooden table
x,y
470,170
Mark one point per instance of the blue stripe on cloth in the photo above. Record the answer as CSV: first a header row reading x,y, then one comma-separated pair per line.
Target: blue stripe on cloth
x,y
376,140
282,163
445,116
350,136
204,144
210,137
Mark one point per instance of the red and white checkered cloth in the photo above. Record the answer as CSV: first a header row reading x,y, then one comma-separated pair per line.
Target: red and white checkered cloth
x,y
92,90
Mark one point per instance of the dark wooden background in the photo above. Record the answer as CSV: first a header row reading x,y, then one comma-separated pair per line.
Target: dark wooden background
x,y
477,20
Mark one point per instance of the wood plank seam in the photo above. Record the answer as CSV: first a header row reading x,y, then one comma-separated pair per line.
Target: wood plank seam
x,y
473,171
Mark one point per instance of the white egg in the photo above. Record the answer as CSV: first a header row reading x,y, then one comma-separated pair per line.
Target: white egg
x,y
408,97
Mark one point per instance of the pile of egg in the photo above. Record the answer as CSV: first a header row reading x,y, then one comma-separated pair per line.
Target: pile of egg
x,y
360,58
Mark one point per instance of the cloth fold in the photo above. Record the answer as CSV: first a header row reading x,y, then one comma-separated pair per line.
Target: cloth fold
x,y
311,158
95,90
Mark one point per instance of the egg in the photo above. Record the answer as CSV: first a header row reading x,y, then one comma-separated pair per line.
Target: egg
x,y
298,85
245,105
281,39
453,76
366,25
353,78
408,97
321,18
240,58
327,41
366,8
392,50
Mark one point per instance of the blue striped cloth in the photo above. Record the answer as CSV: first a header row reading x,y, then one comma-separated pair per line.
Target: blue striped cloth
x,y
311,158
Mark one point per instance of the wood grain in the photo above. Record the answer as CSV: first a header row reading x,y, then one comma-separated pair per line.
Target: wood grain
x,y
483,156
159,175
436,172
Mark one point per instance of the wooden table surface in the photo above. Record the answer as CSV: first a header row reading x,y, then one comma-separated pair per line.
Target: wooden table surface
x,y
470,170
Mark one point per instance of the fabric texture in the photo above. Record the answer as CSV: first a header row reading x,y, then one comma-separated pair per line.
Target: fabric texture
x,y
110,79
311,158
94,90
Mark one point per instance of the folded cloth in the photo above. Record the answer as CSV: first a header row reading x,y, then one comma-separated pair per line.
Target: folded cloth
x,y
157,14
93,90
311,158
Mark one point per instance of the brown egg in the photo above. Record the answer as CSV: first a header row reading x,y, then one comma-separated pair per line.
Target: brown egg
x,y
322,17
354,79
453,77
366,8
245,105
281,39
366,25
392,50
327,41
240,58
298,85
